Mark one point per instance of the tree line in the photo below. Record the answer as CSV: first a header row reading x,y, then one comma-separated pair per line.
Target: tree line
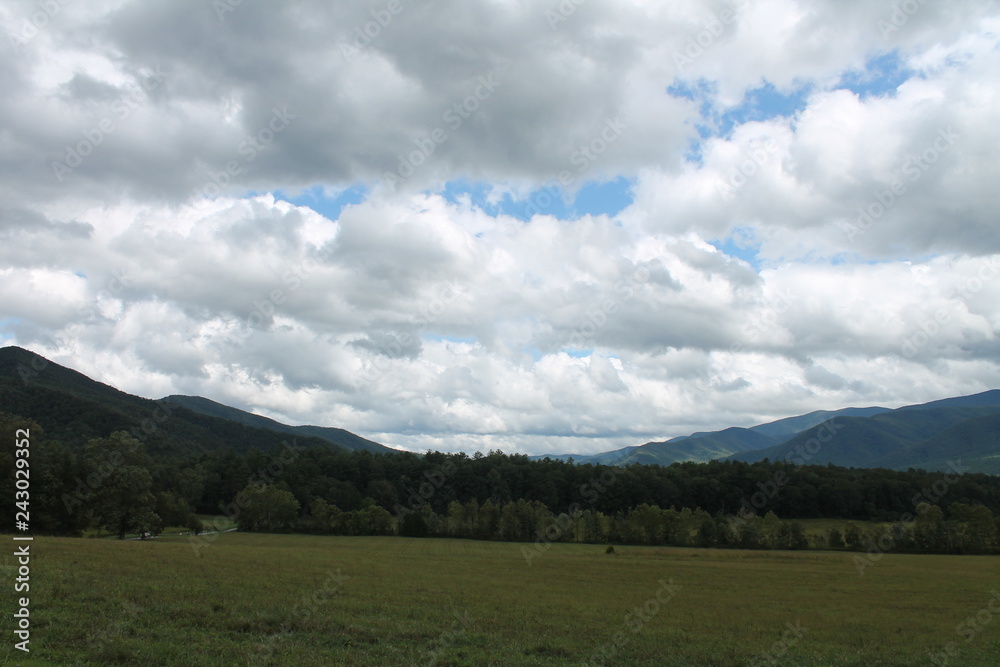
x,y
113,484
964,529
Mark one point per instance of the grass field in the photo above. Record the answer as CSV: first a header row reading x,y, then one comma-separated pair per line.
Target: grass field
x,y
252,599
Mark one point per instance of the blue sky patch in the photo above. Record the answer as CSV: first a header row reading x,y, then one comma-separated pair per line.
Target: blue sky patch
x,y
758,104
764,103
881,76
607,198
6,325
741,244
593,198
475,191
450,339
535,353
331,208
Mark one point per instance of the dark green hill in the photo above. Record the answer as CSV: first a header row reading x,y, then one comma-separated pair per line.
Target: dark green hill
x,y
986,399
73,408
703,446
783,429
975,442
700,447
873,441
337,436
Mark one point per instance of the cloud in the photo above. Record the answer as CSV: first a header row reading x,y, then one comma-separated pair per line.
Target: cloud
x,y
812,216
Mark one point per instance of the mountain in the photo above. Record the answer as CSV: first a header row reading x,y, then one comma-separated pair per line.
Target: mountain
x,y
705,446
927,435
791,426
975,442
700,446
73,408
921,436
336,436
986,399
694,447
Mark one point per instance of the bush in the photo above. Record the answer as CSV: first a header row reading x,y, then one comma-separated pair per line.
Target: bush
x,y
835,540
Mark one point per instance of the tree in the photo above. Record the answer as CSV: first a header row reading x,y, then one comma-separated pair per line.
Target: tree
x,y
266,508
982,529
510,525
375,520
792,536
453,524
195,524
382,492
120,486
488,521
645,524
928,531
708,534
172,509
852,537
770,528
413,525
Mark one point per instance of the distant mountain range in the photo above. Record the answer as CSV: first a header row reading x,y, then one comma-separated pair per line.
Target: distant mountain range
x,y
705,446
928,436
924,436
73,408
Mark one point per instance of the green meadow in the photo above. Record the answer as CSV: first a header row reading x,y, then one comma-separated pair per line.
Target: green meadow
x,y
266,599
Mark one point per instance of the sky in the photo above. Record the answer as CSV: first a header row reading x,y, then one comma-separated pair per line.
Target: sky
x,y
533,226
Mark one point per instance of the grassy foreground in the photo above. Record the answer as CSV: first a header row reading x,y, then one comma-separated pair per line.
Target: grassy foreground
x,y
251,599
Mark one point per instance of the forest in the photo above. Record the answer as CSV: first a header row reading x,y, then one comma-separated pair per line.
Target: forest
x,y
112,484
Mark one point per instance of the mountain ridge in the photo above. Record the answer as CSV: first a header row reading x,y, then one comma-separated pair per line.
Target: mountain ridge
x,y
918,435
73,407
337,436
